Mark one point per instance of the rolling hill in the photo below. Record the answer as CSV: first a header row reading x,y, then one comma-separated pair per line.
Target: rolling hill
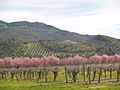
x,y
35,31
39,35
66,48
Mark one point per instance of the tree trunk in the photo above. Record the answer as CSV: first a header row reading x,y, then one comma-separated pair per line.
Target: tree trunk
x,y
55,75
16,77
24,74
105,72
111,72
39,76
94,74
12,75
20,74
4,75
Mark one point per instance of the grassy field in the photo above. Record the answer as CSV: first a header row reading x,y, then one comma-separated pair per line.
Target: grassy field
x,y
27,85
106,84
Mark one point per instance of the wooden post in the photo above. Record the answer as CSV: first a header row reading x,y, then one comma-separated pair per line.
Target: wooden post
x,y
100,72
89,72
66,74
105,72
30,76
118,73
84,72
117,76
45,74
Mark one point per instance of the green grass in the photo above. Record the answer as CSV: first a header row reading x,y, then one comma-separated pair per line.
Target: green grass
x,y
27,85
106,84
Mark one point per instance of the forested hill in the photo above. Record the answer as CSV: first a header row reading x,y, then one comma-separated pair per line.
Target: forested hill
x,y
35,31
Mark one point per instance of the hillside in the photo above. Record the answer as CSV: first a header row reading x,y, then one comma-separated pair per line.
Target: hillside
x,y
55,39
35,31
65,48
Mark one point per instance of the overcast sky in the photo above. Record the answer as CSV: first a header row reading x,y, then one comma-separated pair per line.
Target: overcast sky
x,y
82,16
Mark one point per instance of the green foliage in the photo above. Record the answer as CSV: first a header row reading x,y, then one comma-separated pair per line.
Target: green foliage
x,y
61,49
11,48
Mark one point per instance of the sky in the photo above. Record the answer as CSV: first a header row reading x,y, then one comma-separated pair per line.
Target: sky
x,y
91,17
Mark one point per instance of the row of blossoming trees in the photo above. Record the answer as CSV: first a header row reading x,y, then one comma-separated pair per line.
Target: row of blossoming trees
x,y
9,62
28,67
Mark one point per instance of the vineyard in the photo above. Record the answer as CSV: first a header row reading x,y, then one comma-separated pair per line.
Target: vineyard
x,y
36,49
94,69
61,49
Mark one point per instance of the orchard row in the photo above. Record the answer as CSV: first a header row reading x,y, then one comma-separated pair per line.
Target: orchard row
x,y
90,69
9,62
